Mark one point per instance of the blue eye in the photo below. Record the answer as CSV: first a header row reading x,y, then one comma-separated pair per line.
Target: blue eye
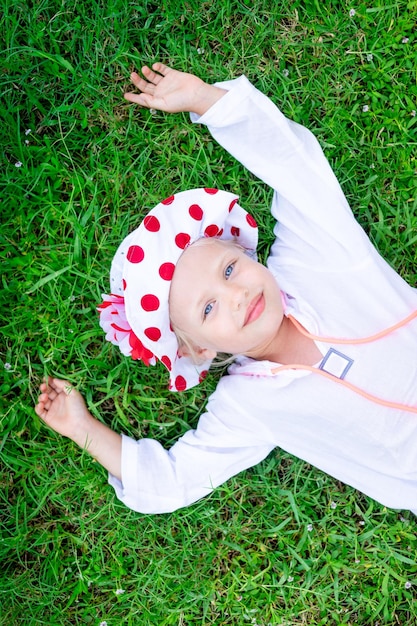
x,y
207,309
228,271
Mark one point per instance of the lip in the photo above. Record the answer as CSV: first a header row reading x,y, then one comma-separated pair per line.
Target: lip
x,y
255,309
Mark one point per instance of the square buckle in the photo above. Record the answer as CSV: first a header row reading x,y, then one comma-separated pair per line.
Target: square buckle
x,y
336,363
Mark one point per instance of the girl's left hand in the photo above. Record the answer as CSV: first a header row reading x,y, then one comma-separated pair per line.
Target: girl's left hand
x,y
166,89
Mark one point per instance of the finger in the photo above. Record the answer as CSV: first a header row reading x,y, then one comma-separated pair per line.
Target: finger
x,y
41,410
141,84
150,75
59,385
142,99
161,68
44,399
47,390
47,399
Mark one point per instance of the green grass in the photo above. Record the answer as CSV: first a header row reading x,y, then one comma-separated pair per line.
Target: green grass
x,y
92,167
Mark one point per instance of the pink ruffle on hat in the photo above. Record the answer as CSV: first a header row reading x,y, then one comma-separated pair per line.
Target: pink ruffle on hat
x,y
136,316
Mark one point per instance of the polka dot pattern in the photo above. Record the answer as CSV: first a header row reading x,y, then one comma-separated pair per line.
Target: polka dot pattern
x,y
167,362
212,230
150,302
151,223
137,320
180,383
196,212
154,334
251,221
166,271
135,254
182,240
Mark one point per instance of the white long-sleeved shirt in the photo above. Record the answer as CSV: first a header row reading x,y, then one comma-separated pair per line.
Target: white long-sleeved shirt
x,y
335,284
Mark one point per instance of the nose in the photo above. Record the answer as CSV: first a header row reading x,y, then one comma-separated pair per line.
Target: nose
x,y
238,295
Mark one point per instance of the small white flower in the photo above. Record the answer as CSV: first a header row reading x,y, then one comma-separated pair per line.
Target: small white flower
x,y
333,505
369,56
152,111
7,366
103,624
18,164
28,131
408,584
413,113
357,561
290,579
352,12
365,108
310,528
119,592
200,50
285,73
362,523
26,142
372,166
405,40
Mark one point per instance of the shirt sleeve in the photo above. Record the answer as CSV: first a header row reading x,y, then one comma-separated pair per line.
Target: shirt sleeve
x,y
316,224
157,480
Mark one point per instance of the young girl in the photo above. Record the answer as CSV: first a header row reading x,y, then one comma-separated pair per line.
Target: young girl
x,y
325,338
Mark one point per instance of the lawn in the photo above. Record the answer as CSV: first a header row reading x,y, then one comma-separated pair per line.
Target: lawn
x,y
282,543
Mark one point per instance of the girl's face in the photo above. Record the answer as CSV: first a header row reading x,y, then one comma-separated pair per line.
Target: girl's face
x,y
225,301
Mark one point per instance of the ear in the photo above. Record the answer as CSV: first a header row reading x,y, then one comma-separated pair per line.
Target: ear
x,y
206,354
203,354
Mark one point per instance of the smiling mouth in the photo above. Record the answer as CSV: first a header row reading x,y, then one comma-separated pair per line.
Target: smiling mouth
x,y
255,309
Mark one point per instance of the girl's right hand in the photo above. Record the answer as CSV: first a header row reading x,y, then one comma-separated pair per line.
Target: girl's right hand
x,y
62,408
166,89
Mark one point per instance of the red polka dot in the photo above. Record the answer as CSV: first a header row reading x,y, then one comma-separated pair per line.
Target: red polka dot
x,y
220,233
211,231
151,223
150,302
203,374
166,271
169,200
235,231
124,285
232,204
135,254
182,240
196,212
152,333
210,190
167,362
180,383
251,221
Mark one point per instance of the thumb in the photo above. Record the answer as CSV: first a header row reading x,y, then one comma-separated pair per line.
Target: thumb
x,y
143,99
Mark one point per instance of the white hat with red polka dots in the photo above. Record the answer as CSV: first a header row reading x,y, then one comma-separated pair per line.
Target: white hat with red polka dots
x,y
136,316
